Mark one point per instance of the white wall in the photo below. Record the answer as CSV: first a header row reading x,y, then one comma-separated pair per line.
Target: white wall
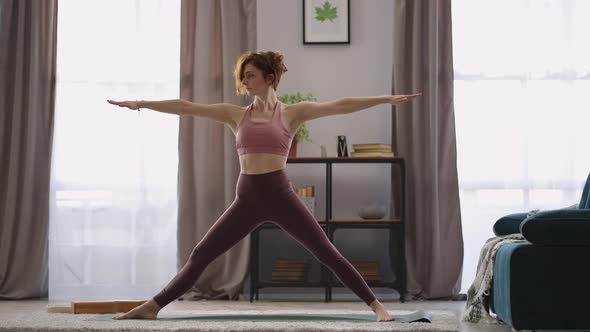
x,y
329,72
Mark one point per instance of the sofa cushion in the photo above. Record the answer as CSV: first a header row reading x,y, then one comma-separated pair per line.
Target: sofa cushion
x,y
509,224
558,227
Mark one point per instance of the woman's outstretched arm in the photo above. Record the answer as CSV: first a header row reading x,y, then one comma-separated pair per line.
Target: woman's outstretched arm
x,y
171,106
305,111
219,112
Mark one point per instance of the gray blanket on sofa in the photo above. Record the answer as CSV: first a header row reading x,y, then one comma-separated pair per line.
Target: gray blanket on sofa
x,y
477,309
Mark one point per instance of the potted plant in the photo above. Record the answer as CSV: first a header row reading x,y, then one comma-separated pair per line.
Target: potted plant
x,y
302,133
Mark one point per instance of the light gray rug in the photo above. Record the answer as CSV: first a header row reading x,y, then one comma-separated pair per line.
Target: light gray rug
x,y
192,320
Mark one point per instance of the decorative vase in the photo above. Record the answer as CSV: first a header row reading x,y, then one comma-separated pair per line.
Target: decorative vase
x,y
293,149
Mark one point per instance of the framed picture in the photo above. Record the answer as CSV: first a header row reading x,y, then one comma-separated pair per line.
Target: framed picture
x,y
326,21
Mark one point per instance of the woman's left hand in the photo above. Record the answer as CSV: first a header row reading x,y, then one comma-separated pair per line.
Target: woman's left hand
x,y
396,99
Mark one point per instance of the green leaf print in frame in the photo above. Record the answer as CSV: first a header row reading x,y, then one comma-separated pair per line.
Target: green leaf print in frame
x,y
326,12
326,21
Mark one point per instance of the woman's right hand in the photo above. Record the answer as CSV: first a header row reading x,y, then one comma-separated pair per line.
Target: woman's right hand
x,y
129,104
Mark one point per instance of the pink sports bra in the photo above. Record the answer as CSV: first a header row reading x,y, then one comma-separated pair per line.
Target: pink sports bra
x,y
263,137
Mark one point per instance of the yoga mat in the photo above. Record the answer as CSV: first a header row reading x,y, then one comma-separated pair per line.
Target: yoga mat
x,y
417,316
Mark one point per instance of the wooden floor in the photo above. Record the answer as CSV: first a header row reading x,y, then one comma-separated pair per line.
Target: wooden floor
x,y
9,308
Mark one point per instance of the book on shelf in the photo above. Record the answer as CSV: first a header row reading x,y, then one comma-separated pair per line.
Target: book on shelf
x,y
371,150
291,260
287,279
300,274
371,154
372,279
289,265
371,146
285,269
366,266
366,263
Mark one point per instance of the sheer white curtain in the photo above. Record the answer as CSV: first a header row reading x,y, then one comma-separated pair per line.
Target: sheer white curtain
x,y
522,78
113,181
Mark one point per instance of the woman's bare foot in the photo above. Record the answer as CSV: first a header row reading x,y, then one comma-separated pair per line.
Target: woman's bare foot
x,y
148,310
382,314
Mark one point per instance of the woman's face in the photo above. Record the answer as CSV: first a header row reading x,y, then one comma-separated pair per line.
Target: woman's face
x,y
253,80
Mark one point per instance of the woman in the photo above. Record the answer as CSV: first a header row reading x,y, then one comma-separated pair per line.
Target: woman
x,y
264,131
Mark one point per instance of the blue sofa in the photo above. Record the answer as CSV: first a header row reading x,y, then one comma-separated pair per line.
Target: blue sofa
x,y
544,283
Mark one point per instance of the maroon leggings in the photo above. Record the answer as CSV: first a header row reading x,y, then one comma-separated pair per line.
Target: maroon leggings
x,y
260,198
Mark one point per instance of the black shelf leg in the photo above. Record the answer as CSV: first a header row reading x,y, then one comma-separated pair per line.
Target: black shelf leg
x,y
328,218
403,235
254,276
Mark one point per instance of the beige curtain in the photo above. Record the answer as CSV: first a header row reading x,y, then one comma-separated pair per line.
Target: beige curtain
x,y
424,134
213,35
28,37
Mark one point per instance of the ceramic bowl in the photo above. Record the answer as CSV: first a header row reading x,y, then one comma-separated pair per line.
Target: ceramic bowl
x,y
372,211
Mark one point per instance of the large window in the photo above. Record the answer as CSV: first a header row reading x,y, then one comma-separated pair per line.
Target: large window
x,y
522,78
113,182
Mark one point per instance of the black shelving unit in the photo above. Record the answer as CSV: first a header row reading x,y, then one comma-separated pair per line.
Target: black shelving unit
x,y
330,225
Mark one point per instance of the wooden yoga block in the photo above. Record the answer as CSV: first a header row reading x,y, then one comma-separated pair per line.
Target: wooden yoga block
x,y
104,307
59,308
95,307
